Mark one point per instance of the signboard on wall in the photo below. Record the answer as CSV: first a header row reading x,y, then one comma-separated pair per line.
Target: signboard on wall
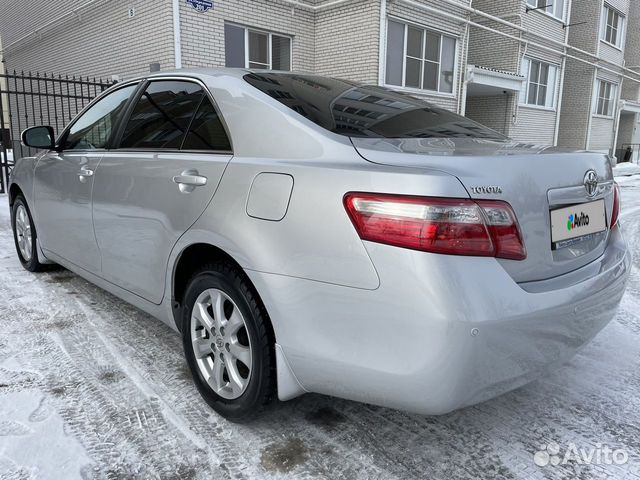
x,y
201,6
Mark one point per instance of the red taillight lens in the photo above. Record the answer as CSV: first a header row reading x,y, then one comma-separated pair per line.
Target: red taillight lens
x,y
616,205
437,225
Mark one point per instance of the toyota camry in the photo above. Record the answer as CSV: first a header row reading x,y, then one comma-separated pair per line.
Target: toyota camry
x,y
310,234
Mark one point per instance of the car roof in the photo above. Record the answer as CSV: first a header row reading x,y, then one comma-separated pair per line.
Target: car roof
x,y
238,73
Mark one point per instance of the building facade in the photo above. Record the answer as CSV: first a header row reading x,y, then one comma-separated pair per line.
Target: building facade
x,y
504,63
600,95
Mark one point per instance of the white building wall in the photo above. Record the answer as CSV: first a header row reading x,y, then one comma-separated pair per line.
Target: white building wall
x,y
102,40
202,34
348,40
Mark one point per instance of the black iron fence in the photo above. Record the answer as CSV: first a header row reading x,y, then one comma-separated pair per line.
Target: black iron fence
x,y
628,152
30,99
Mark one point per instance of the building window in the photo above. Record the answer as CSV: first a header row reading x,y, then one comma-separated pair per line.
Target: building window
x,y
420,58
612,26
606,98
552,7
539,89
250,48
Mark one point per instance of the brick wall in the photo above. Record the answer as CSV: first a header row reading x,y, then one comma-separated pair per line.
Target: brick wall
x,y
504,52
348,41
101,41
495,112
202,34
576,104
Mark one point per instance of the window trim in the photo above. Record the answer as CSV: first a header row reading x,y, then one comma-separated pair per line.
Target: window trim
x,y
622,27
424,28
612,99
269,34
562,18
136,97
523,102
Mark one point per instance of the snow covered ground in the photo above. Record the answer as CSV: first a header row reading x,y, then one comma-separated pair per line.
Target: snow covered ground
x,y
90,387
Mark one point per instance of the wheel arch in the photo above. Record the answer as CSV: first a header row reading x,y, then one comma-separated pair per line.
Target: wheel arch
x,y
14,191
188,261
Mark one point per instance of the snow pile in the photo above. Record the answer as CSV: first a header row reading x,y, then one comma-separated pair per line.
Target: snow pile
x,y
626,169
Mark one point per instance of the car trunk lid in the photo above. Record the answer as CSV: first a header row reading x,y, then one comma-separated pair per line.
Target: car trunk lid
x,y
533,179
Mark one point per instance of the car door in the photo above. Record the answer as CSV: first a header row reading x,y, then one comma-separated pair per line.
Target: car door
x,y
149,191
64,181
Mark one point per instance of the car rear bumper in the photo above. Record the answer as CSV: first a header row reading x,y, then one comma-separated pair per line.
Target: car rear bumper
x,y
441,332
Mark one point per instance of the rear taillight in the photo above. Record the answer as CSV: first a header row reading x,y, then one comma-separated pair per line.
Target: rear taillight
x,y
616,205
437,225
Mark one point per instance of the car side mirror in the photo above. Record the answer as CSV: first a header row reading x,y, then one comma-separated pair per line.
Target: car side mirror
x,y
39,137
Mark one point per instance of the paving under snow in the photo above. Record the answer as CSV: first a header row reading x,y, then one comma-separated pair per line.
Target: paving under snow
x,y
90,387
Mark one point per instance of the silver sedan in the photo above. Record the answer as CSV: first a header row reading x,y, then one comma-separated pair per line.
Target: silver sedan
x,y
310,234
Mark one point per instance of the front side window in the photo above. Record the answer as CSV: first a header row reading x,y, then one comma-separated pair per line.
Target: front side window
x,y
250,48
162,115
419,58
552,7
354,110
539,88
606,98
93,129
612,25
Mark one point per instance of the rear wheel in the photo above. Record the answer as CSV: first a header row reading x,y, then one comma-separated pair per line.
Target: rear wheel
x,y
25,236
226,342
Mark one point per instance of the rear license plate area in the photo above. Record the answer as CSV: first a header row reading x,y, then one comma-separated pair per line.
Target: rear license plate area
x,y
574,224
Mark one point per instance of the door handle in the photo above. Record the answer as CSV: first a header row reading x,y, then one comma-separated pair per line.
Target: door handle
x,y
84,173
188,180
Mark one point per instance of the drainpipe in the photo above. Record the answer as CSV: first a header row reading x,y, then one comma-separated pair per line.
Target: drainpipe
x,y
616,121
560,93
556,134
177,41
382,42
594,91
466,77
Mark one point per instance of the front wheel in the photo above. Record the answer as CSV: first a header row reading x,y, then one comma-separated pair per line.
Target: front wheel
x,y
226,342
25,236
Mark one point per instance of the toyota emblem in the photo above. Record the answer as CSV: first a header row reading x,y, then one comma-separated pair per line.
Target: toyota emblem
x,y
591,182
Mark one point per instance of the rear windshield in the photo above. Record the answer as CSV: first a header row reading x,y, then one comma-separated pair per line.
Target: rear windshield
x,y
356,110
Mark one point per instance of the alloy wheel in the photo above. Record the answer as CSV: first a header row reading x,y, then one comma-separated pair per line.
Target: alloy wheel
x,y
221,343
23,233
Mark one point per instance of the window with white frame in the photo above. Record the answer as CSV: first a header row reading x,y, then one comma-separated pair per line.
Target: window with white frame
x,y
606,98
246,47
539,88
552,7
420,58
612,26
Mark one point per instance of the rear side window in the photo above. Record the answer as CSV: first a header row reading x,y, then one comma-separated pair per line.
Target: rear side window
x,y
162,115
356,110
206,131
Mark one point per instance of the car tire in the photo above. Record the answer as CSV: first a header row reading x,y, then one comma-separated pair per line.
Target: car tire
x,y
227,342
25,236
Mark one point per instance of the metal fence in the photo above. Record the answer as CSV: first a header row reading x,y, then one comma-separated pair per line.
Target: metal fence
x,y
628,152
31,99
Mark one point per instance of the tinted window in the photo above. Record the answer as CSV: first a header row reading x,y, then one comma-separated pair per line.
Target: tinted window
x,y
206,131
162,115
355,110
93,129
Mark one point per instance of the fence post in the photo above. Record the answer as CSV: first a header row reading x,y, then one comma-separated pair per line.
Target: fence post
x,y
4,159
